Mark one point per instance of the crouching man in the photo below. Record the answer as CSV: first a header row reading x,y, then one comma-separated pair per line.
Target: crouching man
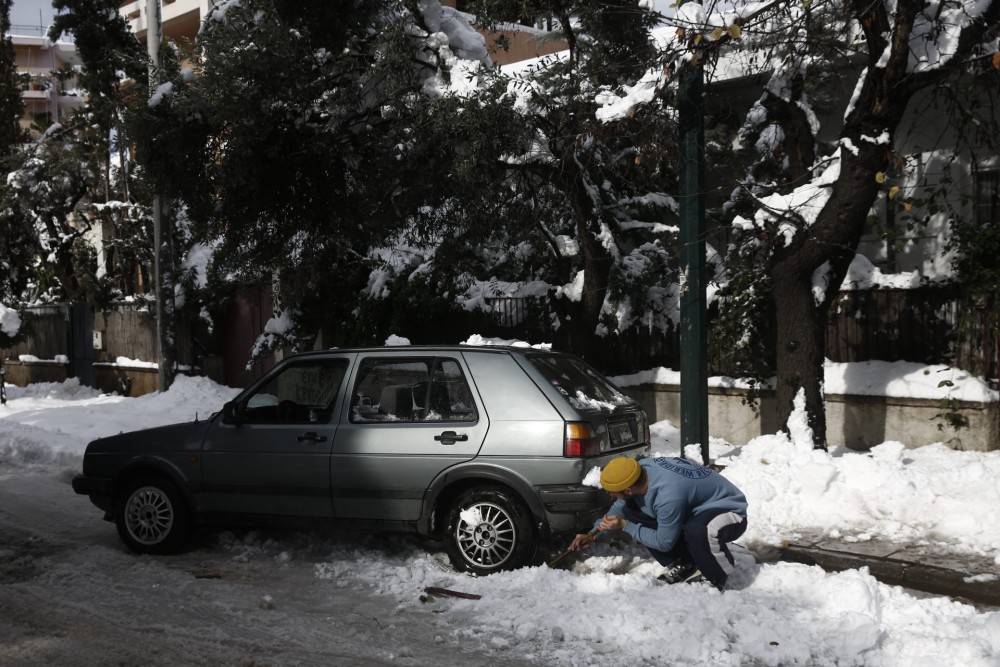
x,y
683,513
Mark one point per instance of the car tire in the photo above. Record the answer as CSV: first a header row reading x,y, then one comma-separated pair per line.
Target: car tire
x,y
489,530
151,516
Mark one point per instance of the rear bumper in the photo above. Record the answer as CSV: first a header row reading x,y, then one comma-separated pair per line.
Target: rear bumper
x,y
573,508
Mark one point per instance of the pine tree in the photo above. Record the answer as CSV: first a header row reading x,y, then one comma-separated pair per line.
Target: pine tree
x,y
63,186
11,104
15,237
292,125
598,182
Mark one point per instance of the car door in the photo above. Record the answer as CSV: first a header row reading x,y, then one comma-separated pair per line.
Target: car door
x,y
411,416
271,454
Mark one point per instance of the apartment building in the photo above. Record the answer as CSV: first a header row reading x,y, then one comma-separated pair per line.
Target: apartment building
x,y
181,19
47,99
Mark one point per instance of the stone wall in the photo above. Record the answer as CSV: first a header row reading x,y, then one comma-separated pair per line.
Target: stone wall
x,y
857,422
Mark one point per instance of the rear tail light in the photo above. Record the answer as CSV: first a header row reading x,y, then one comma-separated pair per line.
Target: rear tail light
x,y
580,441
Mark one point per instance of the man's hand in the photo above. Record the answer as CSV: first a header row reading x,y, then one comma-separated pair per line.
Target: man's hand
x,y
581,541
612,522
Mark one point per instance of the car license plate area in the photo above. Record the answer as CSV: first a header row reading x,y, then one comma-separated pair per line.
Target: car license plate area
x,y
622,433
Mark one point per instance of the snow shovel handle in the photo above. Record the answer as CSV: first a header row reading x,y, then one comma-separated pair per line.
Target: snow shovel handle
x,y
590,538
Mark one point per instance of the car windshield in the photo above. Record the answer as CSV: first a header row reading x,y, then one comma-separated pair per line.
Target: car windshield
x,y
583,387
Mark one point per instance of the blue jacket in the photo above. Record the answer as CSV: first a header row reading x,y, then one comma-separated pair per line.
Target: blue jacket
x,y
678,490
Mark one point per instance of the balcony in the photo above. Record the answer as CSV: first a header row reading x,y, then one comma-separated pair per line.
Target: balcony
x,y
180,19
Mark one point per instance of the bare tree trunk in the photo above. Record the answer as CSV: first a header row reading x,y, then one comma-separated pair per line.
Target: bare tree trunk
x,y
597,262
800,331
799,356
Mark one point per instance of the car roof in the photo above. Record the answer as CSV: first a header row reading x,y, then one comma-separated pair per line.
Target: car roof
x,y
402,349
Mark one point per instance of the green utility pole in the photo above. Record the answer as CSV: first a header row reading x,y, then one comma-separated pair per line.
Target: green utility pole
x,y
162,245
694,326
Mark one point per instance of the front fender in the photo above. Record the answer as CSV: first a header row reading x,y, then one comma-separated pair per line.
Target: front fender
x,y
156,466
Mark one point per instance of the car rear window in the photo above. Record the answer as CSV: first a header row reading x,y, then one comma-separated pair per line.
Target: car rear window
x,y
582,386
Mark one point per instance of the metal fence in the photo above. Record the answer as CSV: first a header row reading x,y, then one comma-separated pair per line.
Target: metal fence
x,y
931,325
926,325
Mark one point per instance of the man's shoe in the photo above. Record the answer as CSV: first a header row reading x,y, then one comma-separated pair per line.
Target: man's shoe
x,y
680,572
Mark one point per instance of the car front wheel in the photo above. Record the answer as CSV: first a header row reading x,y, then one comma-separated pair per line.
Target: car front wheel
x,y
151,517
489,529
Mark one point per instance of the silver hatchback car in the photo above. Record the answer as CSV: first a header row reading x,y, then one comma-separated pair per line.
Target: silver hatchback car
x,y
485,448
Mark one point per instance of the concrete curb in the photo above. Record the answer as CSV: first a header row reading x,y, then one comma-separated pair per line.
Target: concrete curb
x,y
942,575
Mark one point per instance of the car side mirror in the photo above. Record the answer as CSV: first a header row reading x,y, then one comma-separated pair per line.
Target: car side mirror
x,y
232,413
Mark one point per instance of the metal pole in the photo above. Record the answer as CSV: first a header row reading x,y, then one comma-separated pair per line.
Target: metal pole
x,y
162,314
694,330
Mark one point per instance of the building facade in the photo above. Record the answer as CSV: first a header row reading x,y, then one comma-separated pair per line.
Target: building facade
x,y
48,99
181,19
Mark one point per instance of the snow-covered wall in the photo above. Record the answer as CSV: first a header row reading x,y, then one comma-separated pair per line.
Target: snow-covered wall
x,y
867,404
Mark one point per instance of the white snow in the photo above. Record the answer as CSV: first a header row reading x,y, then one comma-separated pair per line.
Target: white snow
x,y
393,341
351,598
477,340
10,321
862,274
895,379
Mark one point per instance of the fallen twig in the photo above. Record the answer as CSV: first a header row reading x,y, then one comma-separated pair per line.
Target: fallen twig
x,y
434,590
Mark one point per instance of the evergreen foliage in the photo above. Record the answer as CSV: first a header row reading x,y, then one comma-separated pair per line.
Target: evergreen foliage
x,y
575,193
64,185
11,105
307,145
15,239
296,146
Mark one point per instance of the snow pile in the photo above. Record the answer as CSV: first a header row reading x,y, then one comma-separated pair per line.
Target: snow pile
x,y
862,275
53,422
923,496
10,321
477,340
396,341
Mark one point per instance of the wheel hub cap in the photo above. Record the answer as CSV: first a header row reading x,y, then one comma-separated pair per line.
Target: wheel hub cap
x,y
486,535
149,515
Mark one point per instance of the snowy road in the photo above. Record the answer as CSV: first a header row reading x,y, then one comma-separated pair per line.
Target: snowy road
x,y
71,595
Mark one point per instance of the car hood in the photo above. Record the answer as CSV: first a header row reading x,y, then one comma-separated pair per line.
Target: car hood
x,y
175,437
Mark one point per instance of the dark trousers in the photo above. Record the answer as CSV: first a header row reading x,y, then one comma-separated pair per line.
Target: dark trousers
x,y
704,539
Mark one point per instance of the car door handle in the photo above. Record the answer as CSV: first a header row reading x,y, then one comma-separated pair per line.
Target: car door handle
x,y
450,438
311,436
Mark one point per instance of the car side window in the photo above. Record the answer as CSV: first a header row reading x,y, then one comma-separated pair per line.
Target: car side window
x,y
419,389
302,393
450,398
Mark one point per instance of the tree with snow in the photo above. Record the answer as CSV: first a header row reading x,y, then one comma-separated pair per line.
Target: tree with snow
x,y
113,70
293,133
11,105
13,238
583,200
62,190
805,203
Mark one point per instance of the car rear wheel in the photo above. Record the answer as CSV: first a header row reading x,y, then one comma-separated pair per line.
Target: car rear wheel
x,y
489,529
151,517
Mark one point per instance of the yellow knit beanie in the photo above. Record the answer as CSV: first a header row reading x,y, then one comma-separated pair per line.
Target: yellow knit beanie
x,y
620,474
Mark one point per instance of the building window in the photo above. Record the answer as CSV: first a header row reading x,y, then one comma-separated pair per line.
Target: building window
x,y
987,197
